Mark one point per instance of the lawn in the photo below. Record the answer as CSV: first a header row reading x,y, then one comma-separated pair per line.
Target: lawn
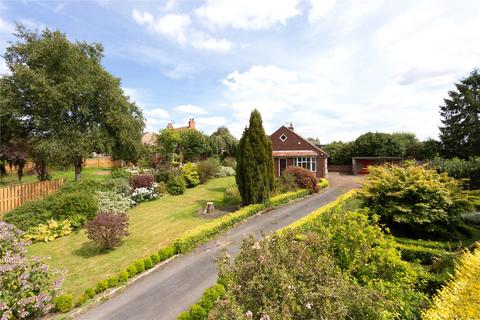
x,y
152,225
87,173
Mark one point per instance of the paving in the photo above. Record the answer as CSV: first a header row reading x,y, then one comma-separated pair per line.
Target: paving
x,y
174,286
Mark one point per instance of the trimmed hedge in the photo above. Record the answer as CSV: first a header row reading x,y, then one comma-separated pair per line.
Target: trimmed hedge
x,y
63,303
200,310
188,241
449,246
424,255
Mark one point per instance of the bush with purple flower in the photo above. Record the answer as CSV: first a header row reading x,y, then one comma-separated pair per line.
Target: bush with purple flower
x,y
26,284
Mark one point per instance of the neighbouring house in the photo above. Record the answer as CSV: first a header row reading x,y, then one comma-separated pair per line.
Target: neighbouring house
x,y
291,149
149,139
191,125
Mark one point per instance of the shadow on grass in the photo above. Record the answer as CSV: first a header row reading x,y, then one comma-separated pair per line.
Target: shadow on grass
x,y
89,249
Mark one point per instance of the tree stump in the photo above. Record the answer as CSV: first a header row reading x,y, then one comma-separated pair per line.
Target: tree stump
x,y
210,207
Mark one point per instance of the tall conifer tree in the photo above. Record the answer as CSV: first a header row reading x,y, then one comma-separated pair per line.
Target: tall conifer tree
x,y
460,133
255,175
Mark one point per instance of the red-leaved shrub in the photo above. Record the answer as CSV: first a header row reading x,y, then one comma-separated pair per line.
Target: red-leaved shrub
x,y
142,181
107,229
303,178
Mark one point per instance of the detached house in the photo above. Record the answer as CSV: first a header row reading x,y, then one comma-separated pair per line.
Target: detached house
x,y
291,149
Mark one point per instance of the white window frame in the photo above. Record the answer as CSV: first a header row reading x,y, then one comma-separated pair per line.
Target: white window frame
x,y
309,163
283,135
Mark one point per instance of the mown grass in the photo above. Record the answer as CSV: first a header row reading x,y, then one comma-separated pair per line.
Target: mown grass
x,y
152,225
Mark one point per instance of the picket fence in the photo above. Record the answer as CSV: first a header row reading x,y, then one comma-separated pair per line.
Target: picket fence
x,y
13,196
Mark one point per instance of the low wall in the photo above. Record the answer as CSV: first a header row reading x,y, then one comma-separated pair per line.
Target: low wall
x,y
344,168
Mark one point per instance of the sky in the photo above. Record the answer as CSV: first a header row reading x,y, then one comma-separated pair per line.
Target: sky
x,y
333,68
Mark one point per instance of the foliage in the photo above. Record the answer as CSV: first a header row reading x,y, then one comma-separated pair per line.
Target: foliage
x,y
285,183
467,170
101,286
120,173
232,196
376,144
166,252
118,185
460,298
414,198
230,162
50,231
142,181
176,185
165,170
255,172
223,142
139,265
109,201
460,133
76,207
79,107
90,293
208,168
225,172
107,229
190,173
421,254
339,152
194,145
168,141
147,262
144,194
211,295
284,282
26,284
305,179
63,303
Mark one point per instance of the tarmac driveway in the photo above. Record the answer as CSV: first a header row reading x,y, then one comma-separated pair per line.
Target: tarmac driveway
x,y
174,286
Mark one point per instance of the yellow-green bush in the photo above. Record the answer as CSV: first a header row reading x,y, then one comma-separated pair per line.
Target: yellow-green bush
x,y
50,231
460,298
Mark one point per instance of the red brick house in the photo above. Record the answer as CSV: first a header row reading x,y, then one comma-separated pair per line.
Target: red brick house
x,y
291,149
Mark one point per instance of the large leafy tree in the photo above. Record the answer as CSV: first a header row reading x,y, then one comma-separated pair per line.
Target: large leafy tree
x,y
339,152
460,133
377,144
58,91
194,145
223,142
254,173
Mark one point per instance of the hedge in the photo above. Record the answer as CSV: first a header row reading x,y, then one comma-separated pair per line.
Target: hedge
x,y
429,244
200,310
192,238
460,298
424,255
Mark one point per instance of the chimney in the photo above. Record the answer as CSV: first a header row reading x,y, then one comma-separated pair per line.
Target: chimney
x,y
191,123
170,125
290,126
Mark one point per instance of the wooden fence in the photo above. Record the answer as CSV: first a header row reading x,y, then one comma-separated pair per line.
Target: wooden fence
x,y
101,162
13,196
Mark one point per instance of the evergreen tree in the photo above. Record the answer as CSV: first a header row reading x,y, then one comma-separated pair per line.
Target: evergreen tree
x,y
460,133
254,175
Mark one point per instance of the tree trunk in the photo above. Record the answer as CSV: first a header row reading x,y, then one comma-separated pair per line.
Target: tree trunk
x,y
78,162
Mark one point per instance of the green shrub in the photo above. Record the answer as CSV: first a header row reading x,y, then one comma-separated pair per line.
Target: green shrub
x,y
147,262
101,286
132,271
190,173
123,277
230,162
90,293
109,201
414,200
118,185
49,231
112,282
305,179
184,316
197,312
155,258
323,183
63,303
211,295
467,170
139,265
166,252
82,186
285,183
423,255
208,168
176,185
30,214
232,196
76,207
81,299
120,173
161,188
449,246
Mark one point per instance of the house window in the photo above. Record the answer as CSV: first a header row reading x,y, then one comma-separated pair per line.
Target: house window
x,y
283,137
306,162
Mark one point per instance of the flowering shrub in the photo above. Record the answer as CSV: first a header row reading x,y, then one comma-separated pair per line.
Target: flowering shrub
x,y
190,174
107,229
110,201
26,284
50,231
304,178
142,181
140,195
225,172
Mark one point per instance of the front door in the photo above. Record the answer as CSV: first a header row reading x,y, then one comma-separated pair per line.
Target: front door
x,y
283,165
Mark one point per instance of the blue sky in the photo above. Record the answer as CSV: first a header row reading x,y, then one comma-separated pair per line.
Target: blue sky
x,y
335,69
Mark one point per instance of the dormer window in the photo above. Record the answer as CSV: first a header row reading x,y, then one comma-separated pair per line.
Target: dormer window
x,y
283,137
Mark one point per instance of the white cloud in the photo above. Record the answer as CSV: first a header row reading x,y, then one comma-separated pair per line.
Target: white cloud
x,y
202,40
157,113
180,71
248,14
189,108
142,17
212,121
319,9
